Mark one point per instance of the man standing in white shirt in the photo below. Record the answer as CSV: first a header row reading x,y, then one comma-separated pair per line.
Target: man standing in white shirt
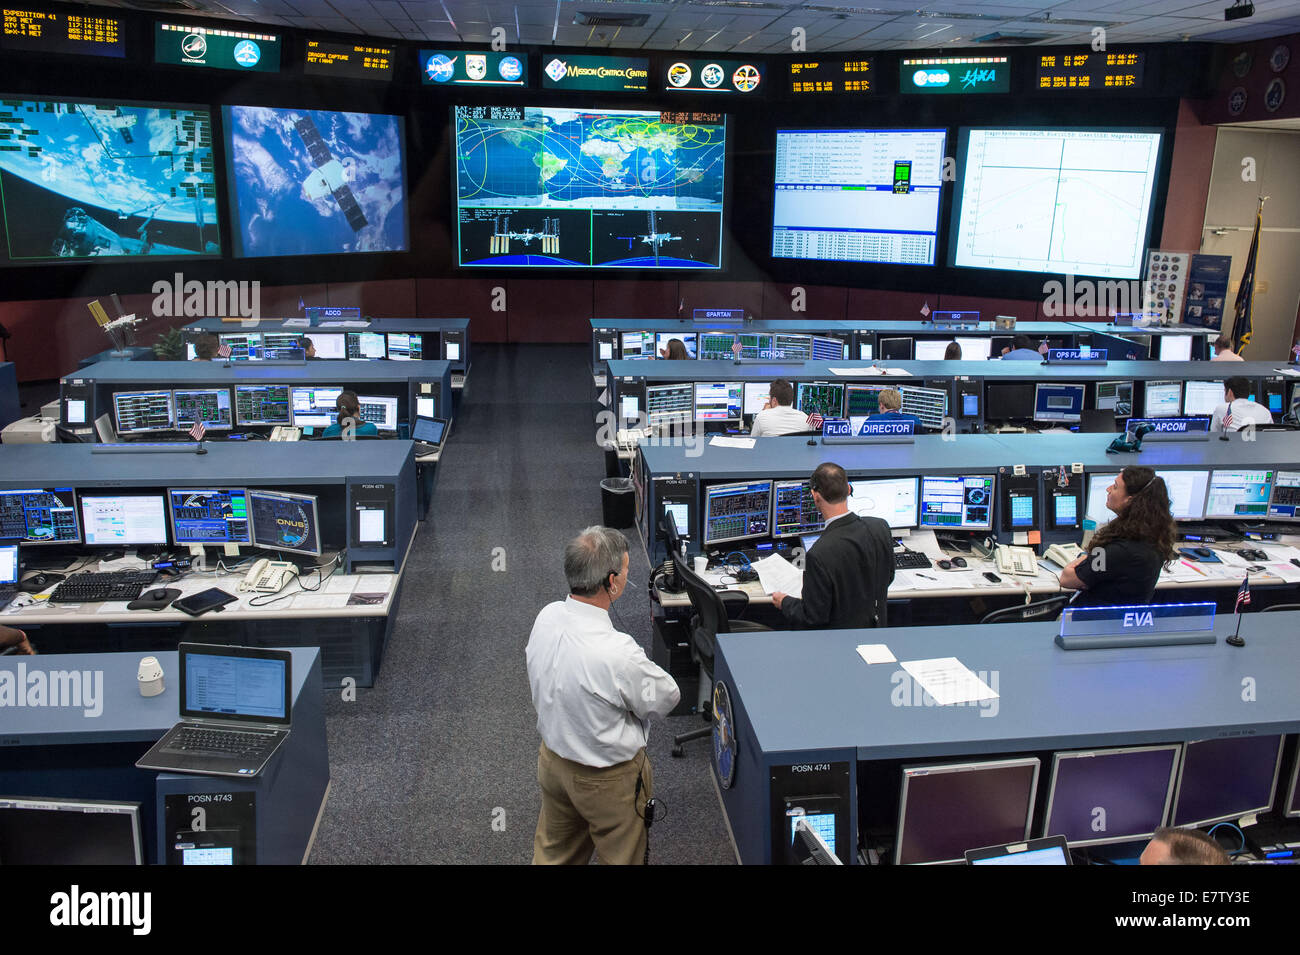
x,y
778,417
1237,410
594,691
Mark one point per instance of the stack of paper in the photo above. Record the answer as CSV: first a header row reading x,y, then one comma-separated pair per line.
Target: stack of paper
x,y
776,573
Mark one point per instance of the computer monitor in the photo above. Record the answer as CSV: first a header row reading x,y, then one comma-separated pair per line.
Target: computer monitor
x,y
244,346
975,349
1285,501
715,346
1009,401
139,412
1053,402
1175,347
1222,779
39,516
1164,399
366,346
208,405
284,521
663,338
895,349
949,808
282,346
756,395
676,525
314,405
823,398
425,406
8,564
1239,493
825,348
1050,850
793,511
672,404
379,410
638,345
123,520
718,401
862,399
866,351
262,405
212,516
1116,396
1110,795
405,347
928,404
329,345
933,349
1202,397
813,839
1186,494
754,346
957,503
734,512
893,500
36,830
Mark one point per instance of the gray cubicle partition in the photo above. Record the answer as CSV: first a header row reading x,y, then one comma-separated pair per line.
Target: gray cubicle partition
x,y
10,406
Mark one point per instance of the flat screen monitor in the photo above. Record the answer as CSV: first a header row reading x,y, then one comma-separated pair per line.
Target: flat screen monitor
x,y
1164,399
823,398
789,347
715,346
425,406
893,500
1049,851
574,187
35,830
1200,398
315,182
866,351
734,512
828,349
928,404
858,195
862,400
314,405
663,338
284,521
932,349
946,809
756,395
367,346
1222,779
1071,201
282,346
1285,502
8,564
264,405
104,181
1239,493
39,516
1175,347
638,345
1010,401
1186,494
895,349
140,412
1116,396
331,345
755,346
793,511
975,349
957,503
123,519
1053,402
405,347
244,346
1102,796
718,400
212,516
379,410
671,404
211,406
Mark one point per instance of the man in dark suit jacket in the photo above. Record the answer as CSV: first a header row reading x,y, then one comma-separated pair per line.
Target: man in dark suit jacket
x,y
847,573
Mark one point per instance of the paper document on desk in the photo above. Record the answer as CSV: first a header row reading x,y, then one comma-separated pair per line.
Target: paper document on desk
x,y
916,580
873,370
340,584
776,573
1182,571
349,323
1289,372
1230,559
1279,552
948,680
1288,572
926,543
720,442
114,606
306,601
375,583
876,653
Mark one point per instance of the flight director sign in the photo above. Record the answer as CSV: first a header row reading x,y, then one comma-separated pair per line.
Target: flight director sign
x,y
604,74
961,74
470,68
712,76
862,431
176,44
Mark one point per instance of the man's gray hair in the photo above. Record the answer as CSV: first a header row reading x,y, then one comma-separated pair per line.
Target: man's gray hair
x,y
591,557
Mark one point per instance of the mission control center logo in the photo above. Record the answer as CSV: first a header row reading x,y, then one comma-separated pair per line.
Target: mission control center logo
x,y
557,70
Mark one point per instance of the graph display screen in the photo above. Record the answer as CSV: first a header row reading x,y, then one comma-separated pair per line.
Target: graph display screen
x,y
1074,201
104,180
573,188
858,195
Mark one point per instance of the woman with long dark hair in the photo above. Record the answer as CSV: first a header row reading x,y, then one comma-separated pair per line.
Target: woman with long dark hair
x,y
1125,557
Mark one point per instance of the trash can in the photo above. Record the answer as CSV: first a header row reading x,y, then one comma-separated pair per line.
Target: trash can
x,y
617,502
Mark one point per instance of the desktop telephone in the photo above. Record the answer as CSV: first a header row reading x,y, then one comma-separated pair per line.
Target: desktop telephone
x,y
268,576
1064,554
285,433
1016,560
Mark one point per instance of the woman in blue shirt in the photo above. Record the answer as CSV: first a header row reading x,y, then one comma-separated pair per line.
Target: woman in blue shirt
x,y
348,409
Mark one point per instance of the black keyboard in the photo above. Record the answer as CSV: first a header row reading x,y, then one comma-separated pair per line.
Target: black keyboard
x,y
910,560
212,742
112,585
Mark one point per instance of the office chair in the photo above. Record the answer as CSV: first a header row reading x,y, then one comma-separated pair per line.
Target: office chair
x,y
1023,613
713,613
1276,607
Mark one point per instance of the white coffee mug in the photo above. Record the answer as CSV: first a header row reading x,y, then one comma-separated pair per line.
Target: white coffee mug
x,y
701,564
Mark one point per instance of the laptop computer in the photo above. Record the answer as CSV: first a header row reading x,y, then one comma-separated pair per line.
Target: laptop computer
x,y
1049,850
235,705
429,434
8,574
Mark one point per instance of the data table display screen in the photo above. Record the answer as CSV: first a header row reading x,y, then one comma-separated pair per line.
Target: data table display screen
x,y
831,75
81,32
357,61
1085,72
737,511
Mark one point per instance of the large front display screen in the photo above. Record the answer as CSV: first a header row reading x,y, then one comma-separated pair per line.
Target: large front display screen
x,y
103,180
315,182
573,188
1073,201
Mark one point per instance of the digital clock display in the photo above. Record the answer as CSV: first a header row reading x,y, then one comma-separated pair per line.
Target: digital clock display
x,y
1075,72
832,75
50,32
355,61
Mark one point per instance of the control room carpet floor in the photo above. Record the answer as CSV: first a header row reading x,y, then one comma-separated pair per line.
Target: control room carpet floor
x,y
438,762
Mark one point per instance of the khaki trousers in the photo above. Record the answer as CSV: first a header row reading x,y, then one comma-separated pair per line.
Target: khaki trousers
x,y
586,808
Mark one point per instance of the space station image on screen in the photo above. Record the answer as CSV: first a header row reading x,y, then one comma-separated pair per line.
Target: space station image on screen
x,y
284,521
574,188
315,182
103,180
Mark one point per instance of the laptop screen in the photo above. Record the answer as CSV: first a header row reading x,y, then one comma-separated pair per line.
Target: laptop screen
x,y
9,564
236,683
429,430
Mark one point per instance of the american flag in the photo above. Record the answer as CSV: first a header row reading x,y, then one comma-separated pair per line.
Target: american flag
x,y
925,309
223,350
198,431
1243,594
815,420
1227,419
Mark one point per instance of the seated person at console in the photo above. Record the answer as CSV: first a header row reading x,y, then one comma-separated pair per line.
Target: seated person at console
x,y
848,571
1236,399
952,352
1183,847
675,350
1124,559
778,416
1025,350
1223,350
205,347
891,403
308,349
348,408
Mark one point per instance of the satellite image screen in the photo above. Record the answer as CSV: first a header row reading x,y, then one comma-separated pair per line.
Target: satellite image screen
x,y
315,182
103,180
557,187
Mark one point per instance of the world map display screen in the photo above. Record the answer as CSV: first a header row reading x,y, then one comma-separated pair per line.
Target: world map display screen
x,y
571,188
315,182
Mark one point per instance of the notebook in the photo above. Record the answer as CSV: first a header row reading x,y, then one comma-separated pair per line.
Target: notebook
x,y
235,708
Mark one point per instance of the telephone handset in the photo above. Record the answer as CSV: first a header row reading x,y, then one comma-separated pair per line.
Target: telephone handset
x,y
268,576
1016,560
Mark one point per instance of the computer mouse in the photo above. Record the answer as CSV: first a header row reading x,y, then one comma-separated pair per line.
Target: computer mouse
x,y
1202,552
959,561
158,594
944,564
992,577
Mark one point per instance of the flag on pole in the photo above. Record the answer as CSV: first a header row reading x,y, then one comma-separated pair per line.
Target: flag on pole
x,y
198,431
815,420
223,350
1227,418
1242,324
1243,595
925,309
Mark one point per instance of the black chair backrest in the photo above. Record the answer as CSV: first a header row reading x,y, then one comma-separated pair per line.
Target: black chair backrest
x,y
1277,607
1023,613
706,603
